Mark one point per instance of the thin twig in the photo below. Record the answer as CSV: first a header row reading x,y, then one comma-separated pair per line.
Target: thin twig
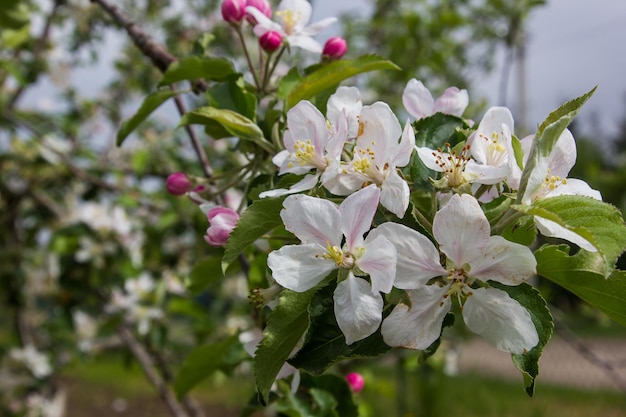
x,y
150,370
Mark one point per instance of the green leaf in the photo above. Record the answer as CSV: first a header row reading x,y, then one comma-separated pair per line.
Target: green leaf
x,y
337,387
258,219
201,363
232,95
198,67
325,342
332,74
285,326
150,104
579,274
529,297
598,222
204,273
230,121
547,135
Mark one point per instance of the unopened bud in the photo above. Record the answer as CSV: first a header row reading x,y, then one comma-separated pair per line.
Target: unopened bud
x,y
356,381
222,222
335,48
178,184
261,5
270,41
233,11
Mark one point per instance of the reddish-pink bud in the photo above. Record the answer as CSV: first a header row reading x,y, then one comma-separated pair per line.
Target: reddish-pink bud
x,y
270,41
178,183
335,48
222,222
356,381
233,11
261,5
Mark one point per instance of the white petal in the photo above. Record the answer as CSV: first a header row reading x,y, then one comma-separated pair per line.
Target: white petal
x,y
346,99
297,267
339,182
452,101
461,229
491,123
563,156
418,259
429,158
401,154
305,42
301,9
494,315
312,220
379,262
506,262
394,194
549,228
418,100
305,122
419,326
575,187
315,28
357,309
380,131
357,212
486,174
306,183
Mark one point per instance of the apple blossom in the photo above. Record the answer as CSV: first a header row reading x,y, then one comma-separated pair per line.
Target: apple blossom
x,y
322,227
346,104
294,15
419,102
473,258
222,222
261,5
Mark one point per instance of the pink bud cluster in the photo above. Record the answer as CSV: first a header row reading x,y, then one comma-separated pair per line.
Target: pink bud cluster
x,y
234,11
222,221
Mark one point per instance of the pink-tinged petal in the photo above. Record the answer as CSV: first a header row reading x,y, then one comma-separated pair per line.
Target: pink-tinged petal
x,y
452,101
340,182
419,326
357,309
264,24
549,228
461,229
305,122
401,154
494,315
299,267
306,183
506,262
379,262
418,259
357,212
394,195
346,99
418,100
379,131
430,158
312,220
563,156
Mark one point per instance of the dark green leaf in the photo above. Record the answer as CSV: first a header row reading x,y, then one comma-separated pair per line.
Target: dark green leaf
x,y
258,219
198,67
232,122
285,327
201,363
150,104
232,95
579,274
529,297
204,273
330,75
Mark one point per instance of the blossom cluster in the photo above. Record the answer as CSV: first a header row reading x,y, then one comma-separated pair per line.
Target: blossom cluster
x,y
358,152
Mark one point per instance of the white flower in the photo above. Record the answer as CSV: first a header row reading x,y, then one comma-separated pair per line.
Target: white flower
x,y
294,15
549,179
419,102
309,144
36,362
381,147
322,227
346,104
463,234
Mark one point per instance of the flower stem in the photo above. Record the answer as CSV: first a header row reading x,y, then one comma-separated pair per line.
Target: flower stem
x,y
247,55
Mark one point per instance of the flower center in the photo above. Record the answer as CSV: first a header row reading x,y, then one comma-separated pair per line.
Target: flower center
x,y
496,152
550,183
365,163
453,164
290,19
341,259
458,285
306,153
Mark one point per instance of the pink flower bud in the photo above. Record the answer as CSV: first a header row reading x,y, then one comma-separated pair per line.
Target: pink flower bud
x,y
356,381
222,222
261,5
270,41
335,48
178,184
233,11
